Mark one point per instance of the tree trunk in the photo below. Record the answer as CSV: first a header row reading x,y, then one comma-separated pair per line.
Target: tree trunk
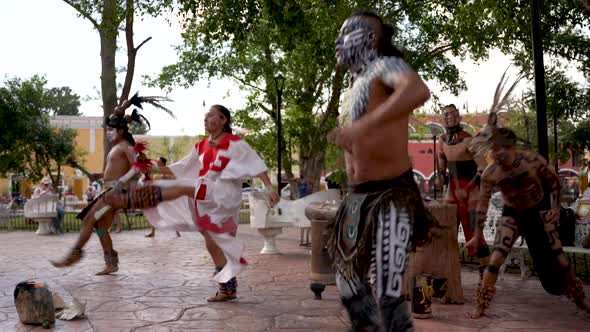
x,y
312,162
108,77
312,168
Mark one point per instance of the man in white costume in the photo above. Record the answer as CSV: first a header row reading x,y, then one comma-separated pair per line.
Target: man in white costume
x,y
219,163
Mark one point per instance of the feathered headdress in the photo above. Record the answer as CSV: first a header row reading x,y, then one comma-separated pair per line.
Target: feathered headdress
x,y
482,142
116,120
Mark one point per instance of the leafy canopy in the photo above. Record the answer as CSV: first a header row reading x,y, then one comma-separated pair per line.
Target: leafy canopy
x,y
29,144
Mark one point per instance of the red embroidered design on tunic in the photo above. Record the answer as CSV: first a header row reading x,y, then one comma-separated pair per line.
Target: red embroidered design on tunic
x,y
209,158
201,193
209,153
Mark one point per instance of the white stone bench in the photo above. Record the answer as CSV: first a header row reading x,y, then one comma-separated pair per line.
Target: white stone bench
x,y
42,210
287,213
72,204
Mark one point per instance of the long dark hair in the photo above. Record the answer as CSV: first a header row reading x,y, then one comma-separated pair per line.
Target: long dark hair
x,y
385,47
223,110
128,137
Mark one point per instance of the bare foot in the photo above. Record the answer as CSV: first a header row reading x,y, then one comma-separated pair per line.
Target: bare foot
x,y
107,270
118,230
150,234
177,234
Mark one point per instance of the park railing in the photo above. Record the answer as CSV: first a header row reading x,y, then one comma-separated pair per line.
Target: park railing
x,y
14,220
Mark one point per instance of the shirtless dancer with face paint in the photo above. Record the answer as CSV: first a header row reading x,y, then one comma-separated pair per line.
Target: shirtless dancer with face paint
x,y
117,173
526,181
383,216
464,178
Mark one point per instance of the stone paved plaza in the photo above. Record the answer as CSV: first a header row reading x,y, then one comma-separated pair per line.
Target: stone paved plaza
x,y
163,283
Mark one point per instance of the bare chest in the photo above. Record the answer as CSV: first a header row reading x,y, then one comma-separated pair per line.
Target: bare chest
x,y
457,151
521,187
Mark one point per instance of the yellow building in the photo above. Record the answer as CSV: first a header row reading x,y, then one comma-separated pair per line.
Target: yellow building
x,y
89,140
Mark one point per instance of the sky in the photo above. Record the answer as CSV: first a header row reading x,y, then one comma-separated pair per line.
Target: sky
x,y
46,37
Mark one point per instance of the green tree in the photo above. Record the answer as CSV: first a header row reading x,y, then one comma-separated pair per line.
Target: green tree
x,y
64,101
107,17
29,145
253,40
567,103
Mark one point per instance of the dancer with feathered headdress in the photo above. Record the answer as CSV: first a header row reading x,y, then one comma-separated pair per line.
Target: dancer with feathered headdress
x,y
124,162
527,182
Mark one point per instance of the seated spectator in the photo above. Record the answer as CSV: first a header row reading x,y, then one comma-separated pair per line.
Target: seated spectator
x,y
304,186
89,194
45,188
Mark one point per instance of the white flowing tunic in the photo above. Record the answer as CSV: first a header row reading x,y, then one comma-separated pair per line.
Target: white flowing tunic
x,y
219,172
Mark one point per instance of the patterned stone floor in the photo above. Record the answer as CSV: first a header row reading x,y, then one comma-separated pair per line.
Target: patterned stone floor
x,y
163,283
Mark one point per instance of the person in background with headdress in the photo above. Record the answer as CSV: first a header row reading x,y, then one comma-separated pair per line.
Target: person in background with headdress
x,y
463,175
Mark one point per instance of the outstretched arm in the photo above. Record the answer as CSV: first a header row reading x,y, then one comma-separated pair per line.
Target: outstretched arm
x,y
273,195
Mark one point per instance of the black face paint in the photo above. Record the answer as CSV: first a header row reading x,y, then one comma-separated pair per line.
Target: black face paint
x,y
354,46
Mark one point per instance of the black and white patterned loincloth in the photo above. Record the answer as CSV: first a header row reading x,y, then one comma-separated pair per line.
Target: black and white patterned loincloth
x,y
376,226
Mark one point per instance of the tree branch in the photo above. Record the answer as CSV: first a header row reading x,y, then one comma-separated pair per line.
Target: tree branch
x,y
245,83
269,112
438,50
143,42
131,52
83,13
332,109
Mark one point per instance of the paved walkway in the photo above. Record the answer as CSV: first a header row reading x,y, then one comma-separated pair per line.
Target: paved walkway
x,y
163,284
